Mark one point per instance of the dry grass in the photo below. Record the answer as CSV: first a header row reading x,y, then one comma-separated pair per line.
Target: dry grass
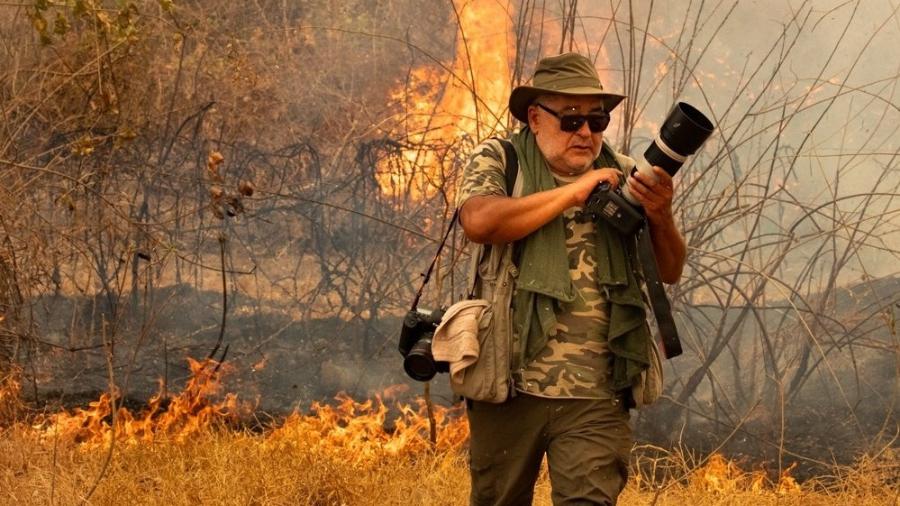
x,y
295,465
221,468
188,451
11,404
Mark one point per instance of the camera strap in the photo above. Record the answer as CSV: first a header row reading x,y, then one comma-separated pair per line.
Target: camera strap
x,y
659,302
427,275
511,171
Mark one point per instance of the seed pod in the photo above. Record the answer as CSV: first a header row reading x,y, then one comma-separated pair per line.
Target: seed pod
x,y
246,188
212,165
233,205
215,158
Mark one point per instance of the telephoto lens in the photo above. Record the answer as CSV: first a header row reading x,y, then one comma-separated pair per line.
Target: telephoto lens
x,y
682,134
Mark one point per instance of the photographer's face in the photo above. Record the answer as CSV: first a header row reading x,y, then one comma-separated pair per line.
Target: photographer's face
x,y
568,153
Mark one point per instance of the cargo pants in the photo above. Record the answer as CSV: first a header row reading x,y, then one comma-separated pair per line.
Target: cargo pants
x,y
587,443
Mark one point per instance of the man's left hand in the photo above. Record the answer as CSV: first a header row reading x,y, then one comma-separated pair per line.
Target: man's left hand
x,y
668,243
654,196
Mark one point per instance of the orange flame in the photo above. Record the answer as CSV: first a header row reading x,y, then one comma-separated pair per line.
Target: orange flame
x,y
443,109
260,364
358,430
719,475
723,476
10,397
758,482
176,417
786,483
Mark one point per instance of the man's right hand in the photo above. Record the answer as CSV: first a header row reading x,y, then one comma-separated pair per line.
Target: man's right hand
x,y
585,184
498,219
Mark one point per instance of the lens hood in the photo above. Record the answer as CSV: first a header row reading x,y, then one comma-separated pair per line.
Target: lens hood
x,y
683,132
686,129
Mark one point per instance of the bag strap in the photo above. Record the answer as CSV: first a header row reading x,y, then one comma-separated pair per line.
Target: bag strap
x,y
512,165
512,173
496,252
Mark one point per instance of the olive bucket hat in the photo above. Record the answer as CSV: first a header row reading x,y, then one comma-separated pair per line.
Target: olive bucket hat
x,y
565,74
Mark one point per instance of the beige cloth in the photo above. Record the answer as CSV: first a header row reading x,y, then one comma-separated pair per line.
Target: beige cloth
x,y
456,338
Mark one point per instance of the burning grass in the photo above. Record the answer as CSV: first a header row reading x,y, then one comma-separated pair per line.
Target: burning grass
x,y
10,399
187,449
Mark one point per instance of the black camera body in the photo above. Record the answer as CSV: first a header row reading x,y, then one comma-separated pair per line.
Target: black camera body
x,y
415,344
681,135
610,206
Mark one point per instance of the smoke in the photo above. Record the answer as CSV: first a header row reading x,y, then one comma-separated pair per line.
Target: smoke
x,y
790,210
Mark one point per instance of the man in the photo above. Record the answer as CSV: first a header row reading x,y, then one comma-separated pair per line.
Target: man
x,y
578,309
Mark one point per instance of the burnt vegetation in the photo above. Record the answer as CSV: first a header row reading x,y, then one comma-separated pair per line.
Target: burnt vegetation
x,y
250,181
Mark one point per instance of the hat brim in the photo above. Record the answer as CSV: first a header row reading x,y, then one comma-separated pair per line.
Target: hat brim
x,y
523,96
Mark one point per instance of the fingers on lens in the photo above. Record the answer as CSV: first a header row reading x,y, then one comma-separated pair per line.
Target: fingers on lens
x,y
637,183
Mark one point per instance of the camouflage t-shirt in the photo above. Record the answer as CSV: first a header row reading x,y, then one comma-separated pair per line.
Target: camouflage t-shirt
x,y
485,173
574,363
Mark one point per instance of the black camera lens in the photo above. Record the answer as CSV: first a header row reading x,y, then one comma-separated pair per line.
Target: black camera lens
x,y
419,362
683,132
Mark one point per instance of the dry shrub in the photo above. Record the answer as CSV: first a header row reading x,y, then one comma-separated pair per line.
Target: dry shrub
x,y
872,474
12,408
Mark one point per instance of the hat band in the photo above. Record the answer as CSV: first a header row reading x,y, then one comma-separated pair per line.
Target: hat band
x,y
570,82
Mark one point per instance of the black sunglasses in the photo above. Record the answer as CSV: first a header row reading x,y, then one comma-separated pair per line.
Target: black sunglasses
x,y
597,121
